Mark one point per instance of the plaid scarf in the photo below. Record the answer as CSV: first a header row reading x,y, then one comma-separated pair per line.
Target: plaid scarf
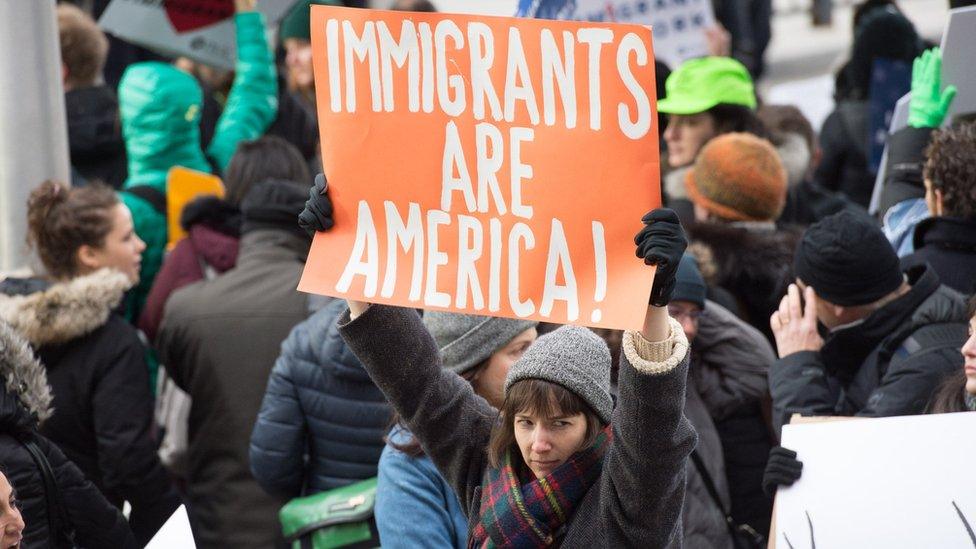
x,y
532,514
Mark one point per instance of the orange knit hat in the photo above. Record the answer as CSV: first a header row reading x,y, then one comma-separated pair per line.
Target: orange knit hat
x,y
738,177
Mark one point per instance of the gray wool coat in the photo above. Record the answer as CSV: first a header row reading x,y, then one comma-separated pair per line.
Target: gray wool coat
x,y
638,498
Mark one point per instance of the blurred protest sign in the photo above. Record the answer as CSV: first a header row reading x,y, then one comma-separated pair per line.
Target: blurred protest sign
x,y
898,482
202,30
182,187
958,45
679,25
488,165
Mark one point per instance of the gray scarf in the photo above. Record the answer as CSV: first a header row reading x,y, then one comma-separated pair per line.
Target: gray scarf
x,y
970,402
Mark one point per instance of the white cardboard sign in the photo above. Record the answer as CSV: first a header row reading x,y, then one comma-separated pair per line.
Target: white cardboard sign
x,y
202,30
175,533
899,483
958,45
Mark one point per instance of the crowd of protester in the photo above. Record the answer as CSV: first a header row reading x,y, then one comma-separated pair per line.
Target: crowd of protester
x,y
143,378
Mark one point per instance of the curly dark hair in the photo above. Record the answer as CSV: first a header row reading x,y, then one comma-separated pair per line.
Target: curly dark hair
x,y
951,156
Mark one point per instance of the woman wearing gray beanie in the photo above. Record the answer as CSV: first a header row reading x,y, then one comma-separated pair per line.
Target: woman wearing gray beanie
x,y
415,505
557,466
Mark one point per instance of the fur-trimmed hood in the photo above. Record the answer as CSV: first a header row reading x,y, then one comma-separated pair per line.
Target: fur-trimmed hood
x,y
754,264
726,251
60,312
24,379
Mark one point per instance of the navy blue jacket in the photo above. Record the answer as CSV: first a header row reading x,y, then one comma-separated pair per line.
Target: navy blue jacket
x,y
322,421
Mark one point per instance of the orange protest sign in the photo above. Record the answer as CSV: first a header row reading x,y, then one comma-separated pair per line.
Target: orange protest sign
x,y
182,186
487,165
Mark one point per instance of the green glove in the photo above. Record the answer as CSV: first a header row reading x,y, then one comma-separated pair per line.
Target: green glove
x,y
929,105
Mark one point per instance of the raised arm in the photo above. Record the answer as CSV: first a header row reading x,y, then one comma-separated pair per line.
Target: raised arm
x,y
253,99
643,482
441,409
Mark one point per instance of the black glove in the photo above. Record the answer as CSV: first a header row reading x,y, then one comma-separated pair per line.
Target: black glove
x,y
661,242
782,469
317,215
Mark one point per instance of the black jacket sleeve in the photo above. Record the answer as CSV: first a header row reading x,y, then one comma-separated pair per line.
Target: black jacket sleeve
x,y
903,171
97,522
122,414
799,384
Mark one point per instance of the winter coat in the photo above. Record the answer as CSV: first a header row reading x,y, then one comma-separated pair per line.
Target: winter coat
x,y
95,135
103,406
635,502
213,229
415,506
219,340
843,143
159,115
948,244
754,264
322,421
887,365
729,367
704,521
24,399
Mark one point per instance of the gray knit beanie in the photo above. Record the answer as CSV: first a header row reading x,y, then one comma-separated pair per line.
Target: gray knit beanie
x,y
466,341
573,357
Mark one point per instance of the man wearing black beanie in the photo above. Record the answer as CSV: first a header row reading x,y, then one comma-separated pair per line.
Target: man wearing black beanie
x,y
889,336
865,339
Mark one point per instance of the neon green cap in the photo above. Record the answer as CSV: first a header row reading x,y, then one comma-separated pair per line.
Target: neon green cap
x,y
700,84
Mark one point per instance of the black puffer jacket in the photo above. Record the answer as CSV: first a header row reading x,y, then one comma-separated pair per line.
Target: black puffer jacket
x,y
25,397
95,135
322,420
887,365
96,366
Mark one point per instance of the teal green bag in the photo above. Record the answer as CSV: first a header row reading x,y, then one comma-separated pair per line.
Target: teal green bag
x,y
338,518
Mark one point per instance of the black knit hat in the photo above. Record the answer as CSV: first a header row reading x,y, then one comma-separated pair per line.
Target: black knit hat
x,y
274,204
688,282
847,260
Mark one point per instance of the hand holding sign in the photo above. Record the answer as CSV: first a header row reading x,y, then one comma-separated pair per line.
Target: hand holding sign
x,y
317,215
661,243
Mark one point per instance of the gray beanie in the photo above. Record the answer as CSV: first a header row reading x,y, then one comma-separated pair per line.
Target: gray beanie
x,y
573,357
466,341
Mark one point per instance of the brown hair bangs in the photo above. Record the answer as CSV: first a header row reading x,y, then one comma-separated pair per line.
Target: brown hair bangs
x,y
540,397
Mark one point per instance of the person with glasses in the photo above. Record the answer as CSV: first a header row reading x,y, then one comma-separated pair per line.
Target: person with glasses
x,y
727,389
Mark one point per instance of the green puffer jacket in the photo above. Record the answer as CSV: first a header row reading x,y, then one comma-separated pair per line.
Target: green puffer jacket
x,y
160,111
